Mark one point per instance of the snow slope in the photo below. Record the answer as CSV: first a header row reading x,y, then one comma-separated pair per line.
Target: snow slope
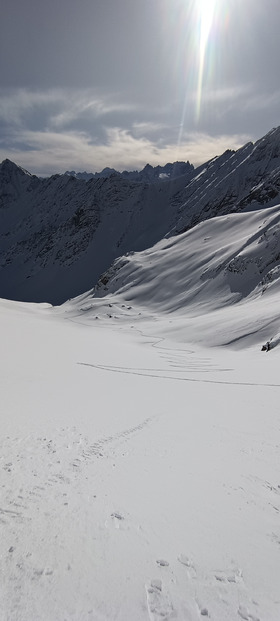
x,y
139,476
139,455
212,281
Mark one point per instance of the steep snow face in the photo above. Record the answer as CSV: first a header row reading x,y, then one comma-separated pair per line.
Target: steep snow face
x,y
235,255
247,178
58,235
225,263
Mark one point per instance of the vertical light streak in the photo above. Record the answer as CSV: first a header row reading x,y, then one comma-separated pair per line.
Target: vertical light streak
x,y
206,9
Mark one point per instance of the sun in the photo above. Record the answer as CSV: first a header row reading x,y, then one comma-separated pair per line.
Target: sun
x,y
206,11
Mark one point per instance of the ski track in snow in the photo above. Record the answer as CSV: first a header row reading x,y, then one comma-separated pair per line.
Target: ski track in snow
x,y
158,373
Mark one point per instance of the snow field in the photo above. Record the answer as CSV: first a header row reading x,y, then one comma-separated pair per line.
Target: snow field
x,y
138,474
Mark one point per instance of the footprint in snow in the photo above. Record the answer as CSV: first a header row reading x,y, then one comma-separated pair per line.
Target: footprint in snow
x,y
160,607
117,519
185,560
203,611
246,615
234,576
118,516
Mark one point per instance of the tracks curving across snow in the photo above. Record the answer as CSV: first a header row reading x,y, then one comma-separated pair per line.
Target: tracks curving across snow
x,y
162,374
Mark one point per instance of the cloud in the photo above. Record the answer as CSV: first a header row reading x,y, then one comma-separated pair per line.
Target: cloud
x,y
17,103
53,130
121,150
262,101
201,147
247,97
87,105
60,106
75,150
145,128
226,94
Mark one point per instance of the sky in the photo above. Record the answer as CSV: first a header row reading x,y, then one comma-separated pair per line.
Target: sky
x,y
122,83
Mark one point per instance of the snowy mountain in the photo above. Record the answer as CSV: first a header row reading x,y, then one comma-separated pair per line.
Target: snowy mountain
x,y
149,174
58,235
85,176
246,179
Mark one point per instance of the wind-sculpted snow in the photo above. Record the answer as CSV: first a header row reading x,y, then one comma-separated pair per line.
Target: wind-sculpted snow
x,y
58,235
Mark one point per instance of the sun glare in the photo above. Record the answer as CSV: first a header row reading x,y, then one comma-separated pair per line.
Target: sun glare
x,y
206,10
200,20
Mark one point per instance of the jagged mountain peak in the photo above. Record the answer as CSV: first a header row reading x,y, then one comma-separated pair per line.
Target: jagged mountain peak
x,y
268,146
15,182
9,166
149,174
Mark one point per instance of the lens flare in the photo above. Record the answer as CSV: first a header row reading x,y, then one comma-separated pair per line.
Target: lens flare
x,y
206,11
